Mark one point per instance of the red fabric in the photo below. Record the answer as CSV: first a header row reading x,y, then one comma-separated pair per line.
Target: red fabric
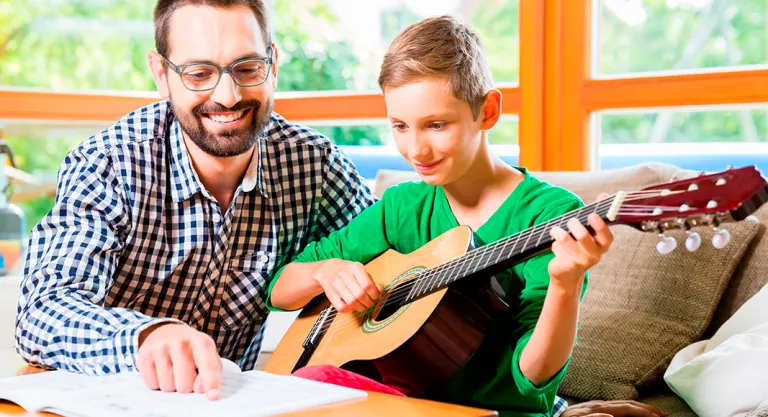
x,y
337,376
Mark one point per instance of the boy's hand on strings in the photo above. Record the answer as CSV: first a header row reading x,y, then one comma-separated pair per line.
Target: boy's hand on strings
x,y
577,251
347,285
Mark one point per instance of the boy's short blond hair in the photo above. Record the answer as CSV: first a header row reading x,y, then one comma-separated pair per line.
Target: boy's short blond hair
x,y
440,47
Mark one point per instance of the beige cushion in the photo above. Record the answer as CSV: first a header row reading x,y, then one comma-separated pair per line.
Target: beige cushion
x,y
642,307
586,184
749,278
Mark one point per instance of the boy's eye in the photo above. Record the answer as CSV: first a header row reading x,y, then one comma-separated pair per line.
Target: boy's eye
x,y
399,127
436,125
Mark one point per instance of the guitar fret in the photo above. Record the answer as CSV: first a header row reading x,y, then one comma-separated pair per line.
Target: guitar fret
x,y
492,254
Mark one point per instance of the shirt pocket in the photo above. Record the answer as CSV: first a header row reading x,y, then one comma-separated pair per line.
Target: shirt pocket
x,y
245,291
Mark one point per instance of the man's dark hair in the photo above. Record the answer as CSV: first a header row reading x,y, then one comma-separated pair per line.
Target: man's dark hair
x,y
165,8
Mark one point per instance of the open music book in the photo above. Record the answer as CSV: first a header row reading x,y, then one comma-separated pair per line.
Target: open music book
x,y
250,393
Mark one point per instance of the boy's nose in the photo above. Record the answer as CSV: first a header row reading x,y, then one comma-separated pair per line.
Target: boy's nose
x,y
417,146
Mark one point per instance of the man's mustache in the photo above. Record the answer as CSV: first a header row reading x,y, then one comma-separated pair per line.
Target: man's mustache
x,y
211,107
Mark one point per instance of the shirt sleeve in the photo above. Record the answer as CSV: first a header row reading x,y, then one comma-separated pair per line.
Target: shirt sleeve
x,y
536,276
61,320
363,239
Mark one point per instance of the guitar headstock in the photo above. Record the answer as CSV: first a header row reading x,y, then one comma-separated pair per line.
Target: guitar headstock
x,y
712,199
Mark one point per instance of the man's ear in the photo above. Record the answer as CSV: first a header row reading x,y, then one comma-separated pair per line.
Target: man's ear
x,y
491,110
159,73
274,66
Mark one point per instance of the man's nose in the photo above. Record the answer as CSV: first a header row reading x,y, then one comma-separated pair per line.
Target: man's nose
x,y
227,93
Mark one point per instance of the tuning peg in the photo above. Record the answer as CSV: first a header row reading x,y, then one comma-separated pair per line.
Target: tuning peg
x,y
693,241
666,245
721,238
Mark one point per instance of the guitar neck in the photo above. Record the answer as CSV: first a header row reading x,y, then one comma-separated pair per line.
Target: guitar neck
x,y
504,253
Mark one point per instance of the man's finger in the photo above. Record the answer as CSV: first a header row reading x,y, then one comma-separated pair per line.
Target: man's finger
x,y
649,408
198,385
208,365
627,410
164,369
148,372
183,367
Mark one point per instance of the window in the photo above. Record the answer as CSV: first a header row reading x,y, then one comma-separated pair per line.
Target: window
x,y
76,45
39,148
679,34
705,140
339,44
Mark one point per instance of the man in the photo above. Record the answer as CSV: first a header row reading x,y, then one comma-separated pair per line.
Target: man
x,y
167,224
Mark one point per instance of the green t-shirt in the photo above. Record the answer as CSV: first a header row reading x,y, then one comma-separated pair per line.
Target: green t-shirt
x,y
410,215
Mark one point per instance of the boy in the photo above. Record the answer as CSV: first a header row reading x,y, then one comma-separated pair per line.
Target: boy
x,y
441,103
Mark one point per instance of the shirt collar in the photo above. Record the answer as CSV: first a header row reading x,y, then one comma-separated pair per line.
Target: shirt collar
x,y
184,180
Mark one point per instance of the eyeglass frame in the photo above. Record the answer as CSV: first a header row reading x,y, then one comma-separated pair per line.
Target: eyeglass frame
x,y
179,69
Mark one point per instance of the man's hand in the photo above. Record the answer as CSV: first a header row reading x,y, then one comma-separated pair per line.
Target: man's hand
x,y
176,357
347,285
613,409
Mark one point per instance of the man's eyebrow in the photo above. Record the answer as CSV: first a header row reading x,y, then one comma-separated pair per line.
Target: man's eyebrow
x,y
208,61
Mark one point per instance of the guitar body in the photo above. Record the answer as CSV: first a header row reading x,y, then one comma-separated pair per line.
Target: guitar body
x,y
415,347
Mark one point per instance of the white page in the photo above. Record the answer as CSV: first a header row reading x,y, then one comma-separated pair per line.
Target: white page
x,y
252,393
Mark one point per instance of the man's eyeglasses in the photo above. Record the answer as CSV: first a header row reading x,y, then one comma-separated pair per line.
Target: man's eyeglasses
x,y
248,72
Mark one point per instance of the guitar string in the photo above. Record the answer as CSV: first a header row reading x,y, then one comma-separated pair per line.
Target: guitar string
x,y
403,291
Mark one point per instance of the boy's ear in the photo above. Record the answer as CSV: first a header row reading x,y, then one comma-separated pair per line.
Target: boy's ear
x,y
491,110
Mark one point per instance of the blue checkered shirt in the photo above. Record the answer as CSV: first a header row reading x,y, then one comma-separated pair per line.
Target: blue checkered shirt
x,y
135,239
559,408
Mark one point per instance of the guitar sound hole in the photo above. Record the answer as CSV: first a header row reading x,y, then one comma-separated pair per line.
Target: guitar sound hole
x,y
387,310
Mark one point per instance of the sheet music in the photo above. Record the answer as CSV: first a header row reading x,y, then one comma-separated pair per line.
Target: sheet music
x,y
252,393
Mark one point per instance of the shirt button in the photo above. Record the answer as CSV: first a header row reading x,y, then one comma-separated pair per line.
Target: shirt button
x,y
216,218
129,361
263,259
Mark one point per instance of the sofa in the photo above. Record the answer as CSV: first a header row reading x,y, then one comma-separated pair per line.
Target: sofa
x,y
642,307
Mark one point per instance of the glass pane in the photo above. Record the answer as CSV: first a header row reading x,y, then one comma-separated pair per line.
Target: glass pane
x,y
39,148
707,140
76,44
371,147
339,44
680,34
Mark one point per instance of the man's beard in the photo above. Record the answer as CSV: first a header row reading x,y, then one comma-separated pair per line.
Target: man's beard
x,y
227,143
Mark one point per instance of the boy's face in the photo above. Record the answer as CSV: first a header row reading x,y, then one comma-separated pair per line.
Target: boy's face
x,y
435,132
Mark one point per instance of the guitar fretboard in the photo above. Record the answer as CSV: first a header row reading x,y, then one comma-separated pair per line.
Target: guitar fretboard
x,y
498,255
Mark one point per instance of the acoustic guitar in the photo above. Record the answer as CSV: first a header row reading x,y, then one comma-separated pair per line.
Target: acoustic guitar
x,y
437,302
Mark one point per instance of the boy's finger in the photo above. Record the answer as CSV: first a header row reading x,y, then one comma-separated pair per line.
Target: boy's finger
x,y
366,283
601,196
558,234
357,291
603,234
